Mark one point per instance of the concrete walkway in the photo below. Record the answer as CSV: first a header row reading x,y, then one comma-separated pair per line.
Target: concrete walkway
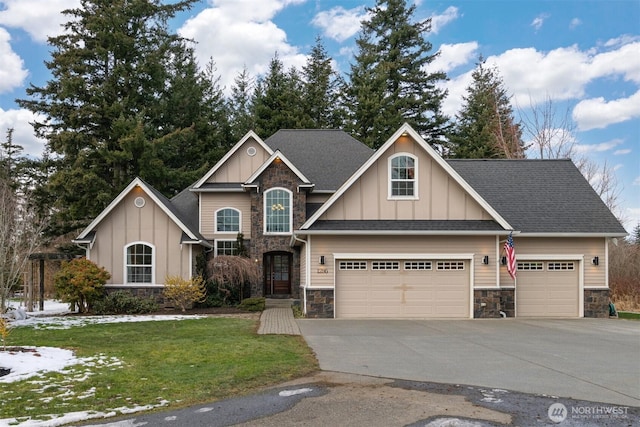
x,y
277,318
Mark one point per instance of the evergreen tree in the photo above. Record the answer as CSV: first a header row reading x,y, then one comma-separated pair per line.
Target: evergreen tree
x,y
485,126
388,82
240,105
124,100
636,234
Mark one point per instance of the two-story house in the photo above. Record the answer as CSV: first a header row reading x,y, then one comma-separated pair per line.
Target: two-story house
x,y
398,232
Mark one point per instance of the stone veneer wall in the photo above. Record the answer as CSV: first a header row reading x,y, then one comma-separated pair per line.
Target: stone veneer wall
x,y
494,300
320,303
596,303
276,175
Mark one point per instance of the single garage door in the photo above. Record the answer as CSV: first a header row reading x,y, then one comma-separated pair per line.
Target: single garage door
x,y
402,288
547,289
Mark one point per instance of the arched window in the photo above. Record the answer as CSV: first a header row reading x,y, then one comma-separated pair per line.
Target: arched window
x,y
403,176
228,220
277,211
139,263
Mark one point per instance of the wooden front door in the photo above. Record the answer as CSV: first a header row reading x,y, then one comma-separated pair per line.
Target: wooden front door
x,y
277,273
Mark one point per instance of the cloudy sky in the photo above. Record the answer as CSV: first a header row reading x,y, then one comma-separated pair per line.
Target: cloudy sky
x,y
582,55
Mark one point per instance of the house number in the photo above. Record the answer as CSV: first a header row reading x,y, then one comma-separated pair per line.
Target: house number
x,y
323,270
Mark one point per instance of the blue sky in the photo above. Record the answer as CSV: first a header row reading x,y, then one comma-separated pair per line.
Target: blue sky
x,y
583,56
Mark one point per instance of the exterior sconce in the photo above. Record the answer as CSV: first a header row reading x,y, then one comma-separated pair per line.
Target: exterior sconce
x,y
485,260
504,260
321,260
595,260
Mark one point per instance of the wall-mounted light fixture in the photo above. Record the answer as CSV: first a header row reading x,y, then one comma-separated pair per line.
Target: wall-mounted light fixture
x,y
485,260
321,260
504,260
595,260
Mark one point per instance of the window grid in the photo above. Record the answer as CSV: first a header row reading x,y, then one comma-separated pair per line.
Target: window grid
x,y
530,266
353,265
450,265
417,265
139,263
278,211
385,265
226,247
228,221
402,176
567,266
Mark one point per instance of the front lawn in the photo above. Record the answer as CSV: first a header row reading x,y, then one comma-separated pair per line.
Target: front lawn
x,y
151,364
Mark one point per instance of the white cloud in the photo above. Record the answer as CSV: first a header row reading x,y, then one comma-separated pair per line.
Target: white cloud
x,y
603,146
39,18
636,181
454,55
339,23
538,21
12,72
439,21
575,22
236,33
622,152
598,113
22,131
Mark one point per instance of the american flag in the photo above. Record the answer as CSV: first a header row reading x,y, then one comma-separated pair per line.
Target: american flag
x,y
511,257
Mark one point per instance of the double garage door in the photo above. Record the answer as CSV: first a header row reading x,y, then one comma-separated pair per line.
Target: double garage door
x,y
547,289
402,289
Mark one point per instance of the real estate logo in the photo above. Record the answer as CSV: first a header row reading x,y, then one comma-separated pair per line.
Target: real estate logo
x,y
557,412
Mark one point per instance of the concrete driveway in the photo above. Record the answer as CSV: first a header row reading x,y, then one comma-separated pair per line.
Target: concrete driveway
x,y
591,359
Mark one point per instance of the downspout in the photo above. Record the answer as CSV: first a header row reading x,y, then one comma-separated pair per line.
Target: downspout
x,y
307,272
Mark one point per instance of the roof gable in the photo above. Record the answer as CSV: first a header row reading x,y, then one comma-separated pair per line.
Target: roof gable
x,y
165,204
248,138
369,167
277,156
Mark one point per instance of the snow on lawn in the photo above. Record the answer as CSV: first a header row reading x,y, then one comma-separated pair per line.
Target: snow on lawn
x,y
38,361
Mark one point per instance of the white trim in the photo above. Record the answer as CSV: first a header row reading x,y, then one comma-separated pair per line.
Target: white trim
x,y
248,135
525,234
277,155
130,285
415,179
408,130
399,232
215,221
191,266
215,250
153,262
137,182
264,213
498,262
553,257
606,263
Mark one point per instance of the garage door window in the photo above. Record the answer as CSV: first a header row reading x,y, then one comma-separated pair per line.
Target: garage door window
x,y
530,266
385,265
450,265
353,265
417,265
566,266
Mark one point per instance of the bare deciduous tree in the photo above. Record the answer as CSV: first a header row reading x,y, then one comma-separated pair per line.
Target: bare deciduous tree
x,y
232,273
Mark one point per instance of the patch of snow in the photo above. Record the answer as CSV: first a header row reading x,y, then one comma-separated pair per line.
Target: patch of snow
x,y
202,410
25,364
55,322
51,308
453,422
287,393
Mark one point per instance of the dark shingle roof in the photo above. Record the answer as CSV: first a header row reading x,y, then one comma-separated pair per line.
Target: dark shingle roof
x,y
183,205
405,225
539,196
326,157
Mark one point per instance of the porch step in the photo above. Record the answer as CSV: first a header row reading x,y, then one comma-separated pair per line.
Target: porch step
x,y
278,303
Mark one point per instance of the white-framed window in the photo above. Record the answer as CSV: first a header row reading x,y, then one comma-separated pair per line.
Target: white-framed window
x,y
403,176
228,220
139,261
353,265
226,247
417,265
449,265
566,266
385,265
278,214
530,266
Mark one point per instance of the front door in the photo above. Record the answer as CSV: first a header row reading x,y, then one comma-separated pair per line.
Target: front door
x,y
277,273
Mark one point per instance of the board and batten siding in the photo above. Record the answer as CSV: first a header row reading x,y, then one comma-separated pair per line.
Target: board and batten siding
x,y
126,224
211,202
440,197
240,166
484,275
555,247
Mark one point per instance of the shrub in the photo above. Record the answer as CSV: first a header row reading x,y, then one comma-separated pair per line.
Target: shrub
x,y
252,304
5,330
183,293
80,282
231,275
124,302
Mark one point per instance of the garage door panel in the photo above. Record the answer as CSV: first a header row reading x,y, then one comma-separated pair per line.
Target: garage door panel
x,y
548,292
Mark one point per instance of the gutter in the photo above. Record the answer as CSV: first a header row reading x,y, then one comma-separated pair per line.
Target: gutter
x,y
307,249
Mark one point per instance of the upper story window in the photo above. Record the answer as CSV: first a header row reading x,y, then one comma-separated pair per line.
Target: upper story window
x,y
139,263
277,211
228,220
403,179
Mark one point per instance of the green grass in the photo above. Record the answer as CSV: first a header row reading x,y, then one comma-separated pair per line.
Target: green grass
x,y
180,362
628,315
